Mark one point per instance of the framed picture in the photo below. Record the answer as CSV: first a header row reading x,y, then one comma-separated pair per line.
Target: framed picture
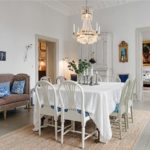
x,y
42,45
2,56
43,54
146,53
123,52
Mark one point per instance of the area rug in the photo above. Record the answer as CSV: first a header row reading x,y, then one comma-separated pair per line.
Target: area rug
x,y
26,139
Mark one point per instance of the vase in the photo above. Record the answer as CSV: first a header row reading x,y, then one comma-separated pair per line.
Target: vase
x,y
79,76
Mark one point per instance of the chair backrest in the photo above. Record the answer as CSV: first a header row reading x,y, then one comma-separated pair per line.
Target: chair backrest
x,y
46,94
123,99
46,78
117,79
71,96
60,79
130,91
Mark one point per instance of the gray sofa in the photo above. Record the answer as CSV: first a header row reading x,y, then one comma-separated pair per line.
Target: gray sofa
x,y
15,100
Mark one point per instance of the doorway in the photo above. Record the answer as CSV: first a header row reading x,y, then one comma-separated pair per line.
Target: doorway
x,y
142,34
46,58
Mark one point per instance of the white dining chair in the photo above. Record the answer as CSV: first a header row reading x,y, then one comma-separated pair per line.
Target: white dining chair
x,y
47,78
73,109
130,97
60,79
117,79
121,110
46,96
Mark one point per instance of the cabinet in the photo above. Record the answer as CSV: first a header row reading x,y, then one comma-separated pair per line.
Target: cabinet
x,y
102,53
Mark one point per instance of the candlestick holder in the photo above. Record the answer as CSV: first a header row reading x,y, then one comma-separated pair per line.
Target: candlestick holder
x,y
91,81
96,80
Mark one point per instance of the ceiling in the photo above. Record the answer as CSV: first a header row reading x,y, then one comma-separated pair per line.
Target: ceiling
x,y
71,7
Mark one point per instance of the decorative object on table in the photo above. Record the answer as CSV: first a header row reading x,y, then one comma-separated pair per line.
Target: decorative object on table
x,y
80,68
123,52
123,77
96,80
92,61
2,56
87,35
73,77
146,53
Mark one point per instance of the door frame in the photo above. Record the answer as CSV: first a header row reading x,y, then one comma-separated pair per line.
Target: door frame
x,y
139,66
49,39
139,61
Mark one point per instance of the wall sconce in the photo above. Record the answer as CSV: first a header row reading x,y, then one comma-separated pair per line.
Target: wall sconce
x,y
26,52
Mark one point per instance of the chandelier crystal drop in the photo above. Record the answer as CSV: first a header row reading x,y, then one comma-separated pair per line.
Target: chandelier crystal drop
x,y
86,35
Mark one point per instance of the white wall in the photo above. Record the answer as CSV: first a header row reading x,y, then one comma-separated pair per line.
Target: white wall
x,y
122,21
19,22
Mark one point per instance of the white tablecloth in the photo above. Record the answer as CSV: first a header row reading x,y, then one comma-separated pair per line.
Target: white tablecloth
x,y
100,101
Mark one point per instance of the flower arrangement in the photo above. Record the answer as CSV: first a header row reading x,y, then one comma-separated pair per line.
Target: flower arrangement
x,y
80,67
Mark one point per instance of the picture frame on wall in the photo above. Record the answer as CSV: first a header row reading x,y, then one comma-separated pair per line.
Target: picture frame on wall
x,y
2,56
123,51
42,45
146,53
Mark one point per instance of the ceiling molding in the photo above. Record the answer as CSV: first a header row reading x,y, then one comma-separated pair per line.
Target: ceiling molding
x,y
72,7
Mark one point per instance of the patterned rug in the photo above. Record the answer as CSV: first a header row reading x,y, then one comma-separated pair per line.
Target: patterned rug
x,y
26,139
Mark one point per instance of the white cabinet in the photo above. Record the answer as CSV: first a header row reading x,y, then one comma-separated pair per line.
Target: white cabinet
x,y
102,54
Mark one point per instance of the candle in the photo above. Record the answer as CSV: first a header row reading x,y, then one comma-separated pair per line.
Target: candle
x,y
84,73
91,71
96,26
73,28
87,72
99,30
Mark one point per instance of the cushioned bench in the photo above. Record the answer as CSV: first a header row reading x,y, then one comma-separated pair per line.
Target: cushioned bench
x,y
14,100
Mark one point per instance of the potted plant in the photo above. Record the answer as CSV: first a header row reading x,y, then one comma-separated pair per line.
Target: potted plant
x,y
79,67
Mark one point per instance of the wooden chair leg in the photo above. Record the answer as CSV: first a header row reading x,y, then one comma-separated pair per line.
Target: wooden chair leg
x,y
120,127
5,114
83,135
98,137
62,132
55,129
131,109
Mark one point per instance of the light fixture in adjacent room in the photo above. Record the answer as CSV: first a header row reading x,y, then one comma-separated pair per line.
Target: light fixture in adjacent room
x,y
86,35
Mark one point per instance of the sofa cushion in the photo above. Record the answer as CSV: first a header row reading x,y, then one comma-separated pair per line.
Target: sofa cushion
x,y
12,98
18,87
4,89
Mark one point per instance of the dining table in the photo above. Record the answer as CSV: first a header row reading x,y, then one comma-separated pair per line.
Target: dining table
x,y
100,101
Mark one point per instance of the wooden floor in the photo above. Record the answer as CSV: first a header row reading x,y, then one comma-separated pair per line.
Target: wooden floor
x,y
15,119
144,141
21,117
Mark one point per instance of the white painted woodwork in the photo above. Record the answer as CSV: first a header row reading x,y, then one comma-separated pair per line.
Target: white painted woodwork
x,y
102,54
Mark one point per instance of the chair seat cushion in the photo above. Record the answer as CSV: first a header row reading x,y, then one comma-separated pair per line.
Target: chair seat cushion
x,y
79,111
66,110
58,108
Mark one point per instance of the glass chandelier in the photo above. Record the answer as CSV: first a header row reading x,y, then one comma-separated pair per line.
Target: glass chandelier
x,y
86,35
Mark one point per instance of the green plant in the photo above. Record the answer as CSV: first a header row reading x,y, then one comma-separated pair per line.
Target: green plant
x,y
80,67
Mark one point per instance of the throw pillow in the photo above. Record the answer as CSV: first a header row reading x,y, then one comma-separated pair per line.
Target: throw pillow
x,y
4,89
18,87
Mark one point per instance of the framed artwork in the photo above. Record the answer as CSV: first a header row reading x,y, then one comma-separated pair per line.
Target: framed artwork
x,y
2,56
146,53
43,54
123,52
42,45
